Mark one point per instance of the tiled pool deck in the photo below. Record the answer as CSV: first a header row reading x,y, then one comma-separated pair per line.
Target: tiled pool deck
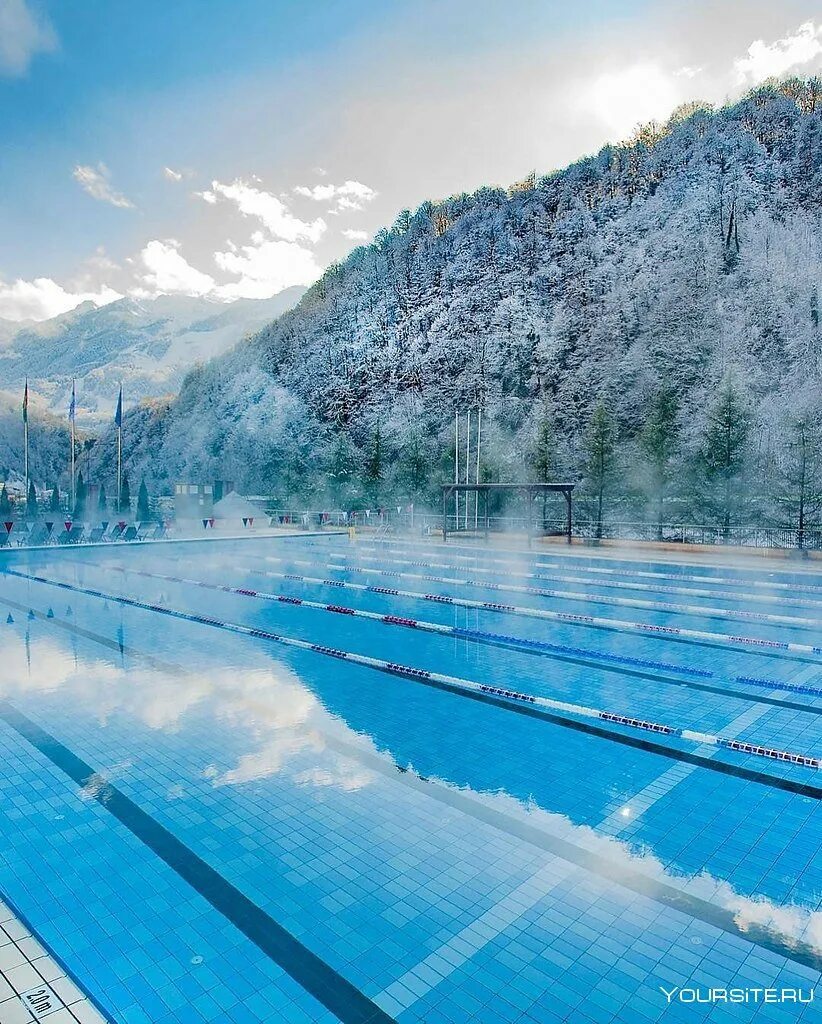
x,y
206,826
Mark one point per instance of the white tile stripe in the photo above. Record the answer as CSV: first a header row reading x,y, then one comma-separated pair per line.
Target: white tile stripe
x,y
25,967
428,973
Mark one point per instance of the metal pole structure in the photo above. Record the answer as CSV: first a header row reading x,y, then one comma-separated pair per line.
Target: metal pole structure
x,y
119,467
569,522
72,489
467,464
444,516
26,440
119,418
476,496
456,469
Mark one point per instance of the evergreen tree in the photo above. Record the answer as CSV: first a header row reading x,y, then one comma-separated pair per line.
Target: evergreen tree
x,y
125,496
802,473
80,496
31,501
102,501
414,470
600,463
342,465
659,443
143,509
374,466
724,452
54,501
5,503
543,455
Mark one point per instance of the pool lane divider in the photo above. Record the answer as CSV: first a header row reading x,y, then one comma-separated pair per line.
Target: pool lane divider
x,y
511,573
505,697
526,644
571,618
566,595
517,556
494,639
326,985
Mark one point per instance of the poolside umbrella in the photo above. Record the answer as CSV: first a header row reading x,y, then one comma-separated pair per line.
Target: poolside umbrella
x,y
67,525
8,525
49,527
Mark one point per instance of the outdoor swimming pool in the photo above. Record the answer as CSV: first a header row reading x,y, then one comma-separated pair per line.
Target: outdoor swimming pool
x,y
517,798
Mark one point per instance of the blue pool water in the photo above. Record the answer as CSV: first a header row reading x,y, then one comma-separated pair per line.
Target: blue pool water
x,y
210,826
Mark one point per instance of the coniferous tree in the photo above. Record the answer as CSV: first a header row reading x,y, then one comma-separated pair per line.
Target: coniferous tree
x,y
724,452
54,501
143,509
5,503
600,463
374,466
102,501
80,497
543,455
801,473
125,496
659,443
31,501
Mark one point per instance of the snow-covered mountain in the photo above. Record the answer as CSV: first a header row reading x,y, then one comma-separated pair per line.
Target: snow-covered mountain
x,y
647,320
148,344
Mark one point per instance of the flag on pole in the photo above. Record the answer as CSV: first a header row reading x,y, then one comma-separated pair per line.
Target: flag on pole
x,y
73,403
118,415
26,402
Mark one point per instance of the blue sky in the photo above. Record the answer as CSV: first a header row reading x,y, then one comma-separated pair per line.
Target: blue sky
x,y
233,148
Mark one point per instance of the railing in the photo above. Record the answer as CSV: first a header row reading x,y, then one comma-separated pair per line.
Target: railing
x,y
406,519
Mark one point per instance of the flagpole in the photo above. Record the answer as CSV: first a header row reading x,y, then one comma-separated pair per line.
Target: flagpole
x,y
26,438
119,463
73,484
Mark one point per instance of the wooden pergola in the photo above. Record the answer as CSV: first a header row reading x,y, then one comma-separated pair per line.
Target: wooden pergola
x,y
530,490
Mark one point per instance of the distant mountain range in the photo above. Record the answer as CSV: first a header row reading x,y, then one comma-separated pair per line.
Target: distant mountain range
x,y
148,344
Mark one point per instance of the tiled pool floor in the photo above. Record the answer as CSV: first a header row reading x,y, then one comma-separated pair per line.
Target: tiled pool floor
x,y
207,826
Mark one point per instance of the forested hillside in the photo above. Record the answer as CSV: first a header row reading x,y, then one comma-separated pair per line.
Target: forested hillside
x,y
646,320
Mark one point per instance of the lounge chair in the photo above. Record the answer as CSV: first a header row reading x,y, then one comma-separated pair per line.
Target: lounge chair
x,y
130,533
39,535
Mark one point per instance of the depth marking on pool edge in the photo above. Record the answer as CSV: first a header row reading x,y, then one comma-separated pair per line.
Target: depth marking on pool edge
x,y
317,977
695,907
508,699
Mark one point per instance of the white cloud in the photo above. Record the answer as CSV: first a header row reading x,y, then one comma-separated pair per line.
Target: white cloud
x,y
624,99
272,211
355,234
266,267
172,175
766,60
351,195
96,181
22,34
169,272
43,298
